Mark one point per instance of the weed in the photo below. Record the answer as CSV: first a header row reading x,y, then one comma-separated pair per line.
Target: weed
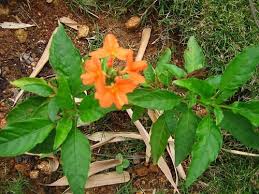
x,y
126,188
15,185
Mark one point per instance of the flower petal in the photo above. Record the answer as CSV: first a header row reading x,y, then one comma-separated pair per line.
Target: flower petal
x,y
122,53
110,43
99,53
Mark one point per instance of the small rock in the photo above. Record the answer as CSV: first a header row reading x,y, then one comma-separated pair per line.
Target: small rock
x,y
21,35
4,10
22,168
49,1
133,22
45,167
83,31
34,174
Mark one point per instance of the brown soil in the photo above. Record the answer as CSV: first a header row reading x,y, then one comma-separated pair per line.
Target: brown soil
x,y
18,60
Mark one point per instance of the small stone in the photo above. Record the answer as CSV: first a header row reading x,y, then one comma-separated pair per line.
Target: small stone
x,y
49,1
45,167
33,64
34,174
133,22
83,31
21,35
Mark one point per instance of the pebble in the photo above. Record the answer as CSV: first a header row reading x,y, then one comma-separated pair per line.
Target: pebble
x,y
21,35
133,22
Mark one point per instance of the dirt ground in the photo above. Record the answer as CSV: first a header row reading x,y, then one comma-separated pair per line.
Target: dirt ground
x,y
19,57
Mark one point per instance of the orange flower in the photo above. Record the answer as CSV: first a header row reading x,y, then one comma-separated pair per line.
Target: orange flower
x,y
111,49
115,93
134,66
93,73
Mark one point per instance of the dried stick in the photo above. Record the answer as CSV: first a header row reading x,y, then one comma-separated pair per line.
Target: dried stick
x,y
240,152
43,60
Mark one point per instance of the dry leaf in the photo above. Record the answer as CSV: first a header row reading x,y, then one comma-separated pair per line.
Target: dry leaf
x,y
13,25
69,22
34,174
95,167
109,178
118,136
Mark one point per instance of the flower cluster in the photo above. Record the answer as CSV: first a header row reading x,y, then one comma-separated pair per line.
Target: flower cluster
x,y
113,83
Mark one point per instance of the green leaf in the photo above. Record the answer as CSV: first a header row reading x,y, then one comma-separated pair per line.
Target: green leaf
x,y
194,58
35,85
62,130
200,87
124,163
250,110
238,72
159,137
65,59
27,109
165,57
46,147
149,74
185,135
90,110
63,97
137,112
218,115
241,129
174,70
76,158
214,81
165,72
154,99
205,149
20,137
53,109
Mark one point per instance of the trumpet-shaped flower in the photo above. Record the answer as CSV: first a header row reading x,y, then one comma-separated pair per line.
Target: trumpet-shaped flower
x,y
115,93
134,66
111,48
94,74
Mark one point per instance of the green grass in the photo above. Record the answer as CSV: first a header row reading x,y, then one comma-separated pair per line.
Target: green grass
x,y
233,174
15,185
126,188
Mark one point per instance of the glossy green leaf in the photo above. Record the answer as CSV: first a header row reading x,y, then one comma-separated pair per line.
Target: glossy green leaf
x,y
238,72
137,112
149,74
185,135
241,129
250,110
159,138
205,149
90,110
214,81
76,158
62,130
46,147
165,72
53,109
218,115
35,85
20,137
154,99
165,57
27,109
194,58
200,87
66,60
64,98
124,163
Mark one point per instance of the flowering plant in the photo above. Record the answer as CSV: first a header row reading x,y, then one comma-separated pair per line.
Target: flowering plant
x,y
111,78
